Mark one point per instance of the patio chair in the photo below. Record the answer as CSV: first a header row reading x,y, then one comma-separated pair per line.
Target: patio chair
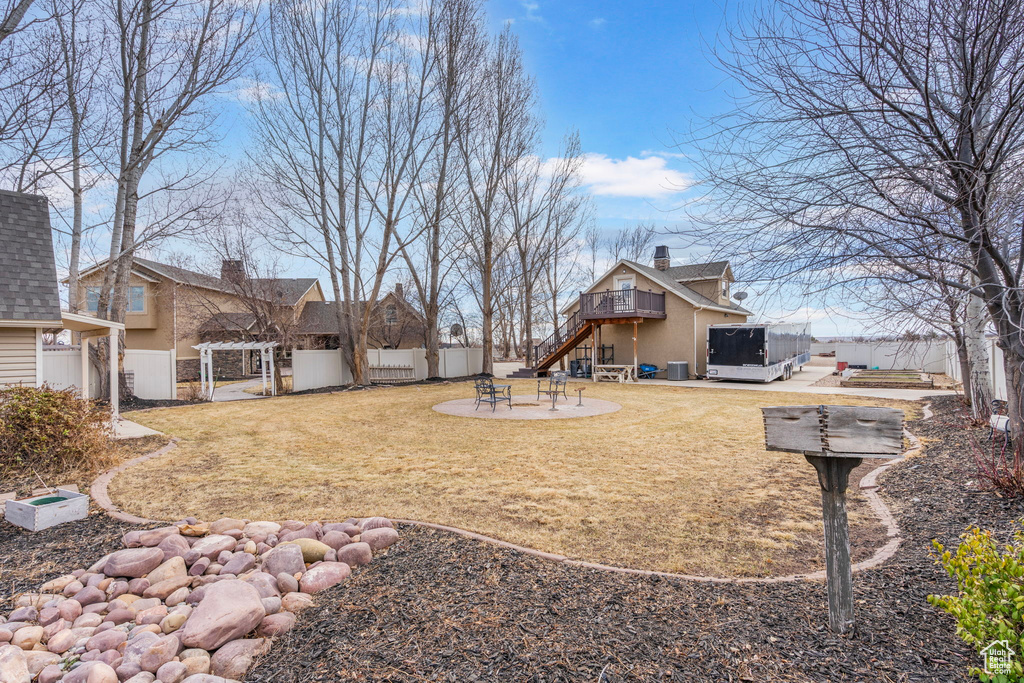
x,y
999,422
556,385
647,371
487,392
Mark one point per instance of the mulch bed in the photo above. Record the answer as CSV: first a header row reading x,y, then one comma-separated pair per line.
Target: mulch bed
x,y
439,607
27,560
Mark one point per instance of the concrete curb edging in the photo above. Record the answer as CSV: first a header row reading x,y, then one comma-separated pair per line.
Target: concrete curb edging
x,y
98,490
867,484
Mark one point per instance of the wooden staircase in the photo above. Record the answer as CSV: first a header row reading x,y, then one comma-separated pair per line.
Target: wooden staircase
x,y
566,338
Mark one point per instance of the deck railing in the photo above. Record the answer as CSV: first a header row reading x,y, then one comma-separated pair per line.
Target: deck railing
x,y
567,330
621,302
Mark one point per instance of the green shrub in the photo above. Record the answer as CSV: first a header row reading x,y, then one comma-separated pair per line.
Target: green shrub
x,y
50,431
990,604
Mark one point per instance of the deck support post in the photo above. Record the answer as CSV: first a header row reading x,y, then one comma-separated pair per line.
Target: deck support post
x,y
834,477
84,388
635,375
593,350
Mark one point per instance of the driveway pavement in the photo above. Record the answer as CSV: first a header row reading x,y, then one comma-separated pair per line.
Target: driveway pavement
x,y
236,391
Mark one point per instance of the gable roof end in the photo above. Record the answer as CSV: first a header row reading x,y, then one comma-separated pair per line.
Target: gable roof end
x,y
28,273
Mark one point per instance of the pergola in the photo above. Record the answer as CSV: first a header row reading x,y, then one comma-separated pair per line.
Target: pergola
x,y
206,350
89,326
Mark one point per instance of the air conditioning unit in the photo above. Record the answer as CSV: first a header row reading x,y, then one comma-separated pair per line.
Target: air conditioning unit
x,y
678,370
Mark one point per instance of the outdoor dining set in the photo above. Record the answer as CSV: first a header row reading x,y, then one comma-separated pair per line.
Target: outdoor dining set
x,y
553,386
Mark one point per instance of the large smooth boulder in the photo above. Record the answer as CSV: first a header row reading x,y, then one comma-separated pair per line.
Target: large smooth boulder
x,y
210,547
153,537
13,667
377,523
379,538
235,658
171,569
324,575
161,651
228,610
239,564
312,549
284,558
276,624
355,554
226,524
259,531
133,562
174,546
336,539
164,588
91,672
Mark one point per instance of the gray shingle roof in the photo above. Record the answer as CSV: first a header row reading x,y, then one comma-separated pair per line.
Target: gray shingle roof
x,y
698,271
28,274
228,322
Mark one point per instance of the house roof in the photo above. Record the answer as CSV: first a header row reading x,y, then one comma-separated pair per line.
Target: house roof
x,y
321,317
228,322
669,279
287,290
28,274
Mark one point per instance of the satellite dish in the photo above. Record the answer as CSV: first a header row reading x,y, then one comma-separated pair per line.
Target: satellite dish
x,y
740,296
456,330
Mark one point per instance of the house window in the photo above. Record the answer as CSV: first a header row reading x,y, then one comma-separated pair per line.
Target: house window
x,y
725,290
391,314
92,299
136,299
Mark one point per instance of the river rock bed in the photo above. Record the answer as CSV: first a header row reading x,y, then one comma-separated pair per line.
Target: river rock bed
x,y
191,601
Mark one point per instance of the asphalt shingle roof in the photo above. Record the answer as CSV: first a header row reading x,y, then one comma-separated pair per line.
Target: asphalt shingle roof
x,y
28,274
670,279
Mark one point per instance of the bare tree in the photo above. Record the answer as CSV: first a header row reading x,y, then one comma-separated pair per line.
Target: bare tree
x,y
633,243
495,133
862,128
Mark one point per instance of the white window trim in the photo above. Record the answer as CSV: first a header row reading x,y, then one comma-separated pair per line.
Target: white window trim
x,y
619,279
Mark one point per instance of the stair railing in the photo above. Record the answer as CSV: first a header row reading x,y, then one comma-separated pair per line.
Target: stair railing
x,y
569,329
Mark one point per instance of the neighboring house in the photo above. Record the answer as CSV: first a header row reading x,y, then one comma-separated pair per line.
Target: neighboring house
x,y
665,308
176,308
394,324
29,297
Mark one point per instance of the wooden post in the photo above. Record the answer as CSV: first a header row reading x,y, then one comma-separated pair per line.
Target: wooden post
x,y
635,376
834,477
115,408
593,351
85,367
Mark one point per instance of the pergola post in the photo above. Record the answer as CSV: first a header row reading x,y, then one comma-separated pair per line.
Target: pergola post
x,y
635,375
84,386
115,408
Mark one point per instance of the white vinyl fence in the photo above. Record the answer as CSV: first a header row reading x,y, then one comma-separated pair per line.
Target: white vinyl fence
x,y
930,356
315,369
818,348
155,372
995,366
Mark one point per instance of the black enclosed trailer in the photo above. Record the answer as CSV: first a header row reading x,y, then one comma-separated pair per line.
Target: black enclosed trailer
x,y
757,352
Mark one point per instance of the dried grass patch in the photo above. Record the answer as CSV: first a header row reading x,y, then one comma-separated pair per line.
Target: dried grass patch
x,y
677,480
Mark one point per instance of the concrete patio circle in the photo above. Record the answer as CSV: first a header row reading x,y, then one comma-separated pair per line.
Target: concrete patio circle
x,y
529,408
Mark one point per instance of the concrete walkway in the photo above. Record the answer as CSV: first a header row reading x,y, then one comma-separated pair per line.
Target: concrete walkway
x,y
236,391
801,383
126,429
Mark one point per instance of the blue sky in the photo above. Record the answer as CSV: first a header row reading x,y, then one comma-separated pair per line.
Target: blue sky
x,y
628,77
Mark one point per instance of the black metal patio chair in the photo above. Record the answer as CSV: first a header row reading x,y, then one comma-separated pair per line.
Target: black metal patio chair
x,y
489,392
556,385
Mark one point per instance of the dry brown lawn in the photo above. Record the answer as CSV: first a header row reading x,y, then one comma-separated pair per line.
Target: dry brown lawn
x,y
677,480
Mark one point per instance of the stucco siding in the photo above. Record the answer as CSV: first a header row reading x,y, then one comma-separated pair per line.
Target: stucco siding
x,y
18,355
659,341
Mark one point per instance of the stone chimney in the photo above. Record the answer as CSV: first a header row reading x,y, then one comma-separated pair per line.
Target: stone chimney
x,y
232,270
399,290
661,258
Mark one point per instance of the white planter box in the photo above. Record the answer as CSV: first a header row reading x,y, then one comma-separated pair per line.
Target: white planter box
x,y
22,513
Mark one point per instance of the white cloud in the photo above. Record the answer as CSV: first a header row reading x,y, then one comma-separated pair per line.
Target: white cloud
x,y
532,11
597,22
662,153
251,90
648,178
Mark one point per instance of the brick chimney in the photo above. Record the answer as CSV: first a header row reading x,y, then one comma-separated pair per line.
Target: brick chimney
x,y
399,290
661,258
232,270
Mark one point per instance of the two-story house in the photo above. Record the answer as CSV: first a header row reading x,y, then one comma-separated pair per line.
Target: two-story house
x,y
656,313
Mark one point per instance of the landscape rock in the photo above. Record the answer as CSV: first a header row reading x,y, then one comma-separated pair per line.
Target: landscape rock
x,y
90,595
296,602
173,568
312,550
200,566
153,537
286,583
276,624
37,660
228,610
172,672
133,562
163,650
324,576
377,523
355,554
174,546
91,672
284,558
50,674
264,583
271,605
27,637
239,564
336,539
234,659
211,546
379,538
164,588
